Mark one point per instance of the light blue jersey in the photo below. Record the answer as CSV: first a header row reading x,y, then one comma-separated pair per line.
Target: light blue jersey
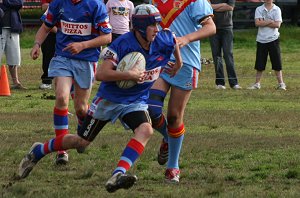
x,y
183,17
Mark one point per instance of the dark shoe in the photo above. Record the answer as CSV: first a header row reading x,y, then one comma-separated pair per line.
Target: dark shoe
x,y
163,153
18,86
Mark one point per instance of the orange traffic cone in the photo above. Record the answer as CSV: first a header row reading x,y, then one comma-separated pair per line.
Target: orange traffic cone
x,y
4,85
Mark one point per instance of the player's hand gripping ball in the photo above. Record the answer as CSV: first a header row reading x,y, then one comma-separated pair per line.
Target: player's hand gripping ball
x,y
128,62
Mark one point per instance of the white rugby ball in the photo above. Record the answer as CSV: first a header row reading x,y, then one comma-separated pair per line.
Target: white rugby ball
x,y
133,59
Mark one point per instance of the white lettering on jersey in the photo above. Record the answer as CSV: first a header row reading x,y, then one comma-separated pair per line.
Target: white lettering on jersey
x,y
152,75
80,29
106,53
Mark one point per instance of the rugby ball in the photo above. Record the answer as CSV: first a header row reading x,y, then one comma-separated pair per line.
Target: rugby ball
x,y
131,60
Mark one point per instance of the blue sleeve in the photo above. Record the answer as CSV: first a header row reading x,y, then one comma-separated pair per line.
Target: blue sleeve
x,y
101,19
164,42
121,47
53,13
43,17
199,10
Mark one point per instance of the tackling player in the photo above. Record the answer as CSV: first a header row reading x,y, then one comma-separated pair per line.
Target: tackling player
x,y
191,21
112,103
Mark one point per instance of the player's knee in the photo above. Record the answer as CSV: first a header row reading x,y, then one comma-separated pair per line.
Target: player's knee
x,y
145,130
173,119
156,103
81,111
81,143
61,101
148,130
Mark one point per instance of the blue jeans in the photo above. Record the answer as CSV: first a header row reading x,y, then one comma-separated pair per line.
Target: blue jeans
x,y
223,40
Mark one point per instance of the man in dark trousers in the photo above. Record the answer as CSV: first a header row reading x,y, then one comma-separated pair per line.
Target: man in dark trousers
x,y
223,41
48,50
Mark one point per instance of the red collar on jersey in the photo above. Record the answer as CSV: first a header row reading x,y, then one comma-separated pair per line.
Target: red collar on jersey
x,y
75,1
170,9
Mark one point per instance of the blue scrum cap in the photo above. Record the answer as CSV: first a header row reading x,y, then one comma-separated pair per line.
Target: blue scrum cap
x,y
144,15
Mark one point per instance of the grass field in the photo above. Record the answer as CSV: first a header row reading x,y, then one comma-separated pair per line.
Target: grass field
x,y
241,143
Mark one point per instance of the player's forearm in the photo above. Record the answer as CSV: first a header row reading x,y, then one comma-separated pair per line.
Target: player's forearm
x,y
101,40
112,75
41,34
222,7
177,55
106,72
208,29
275,24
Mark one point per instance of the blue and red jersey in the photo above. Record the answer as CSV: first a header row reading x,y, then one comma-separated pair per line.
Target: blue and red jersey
x,y
157,57
77,21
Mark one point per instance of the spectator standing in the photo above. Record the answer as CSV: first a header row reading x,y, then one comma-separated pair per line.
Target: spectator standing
x,y
191,21
268,19
222,41
119,12
48,50
11,27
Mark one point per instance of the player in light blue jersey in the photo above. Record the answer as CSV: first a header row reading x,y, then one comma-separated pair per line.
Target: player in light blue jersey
x,y
82,27
191,21
112,103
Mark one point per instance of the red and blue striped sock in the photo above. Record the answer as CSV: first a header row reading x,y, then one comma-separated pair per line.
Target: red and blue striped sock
x,y
61,122
52,145
130,154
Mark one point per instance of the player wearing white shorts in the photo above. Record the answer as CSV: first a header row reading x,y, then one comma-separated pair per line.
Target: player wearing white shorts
x,y
112,103
10,29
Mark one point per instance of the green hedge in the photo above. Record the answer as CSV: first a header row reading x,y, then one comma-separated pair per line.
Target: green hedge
x,y
31,13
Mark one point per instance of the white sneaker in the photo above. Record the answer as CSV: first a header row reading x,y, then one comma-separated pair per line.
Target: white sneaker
x,y
220,87
120,180
62,158
28,162
237,86
281,86
45,86
255,86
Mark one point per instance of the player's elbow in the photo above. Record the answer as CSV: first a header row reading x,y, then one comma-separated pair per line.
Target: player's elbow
x,y
277,24
213,29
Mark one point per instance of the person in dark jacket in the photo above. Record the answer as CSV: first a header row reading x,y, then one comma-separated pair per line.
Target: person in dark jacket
x,y
10,29
48,50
